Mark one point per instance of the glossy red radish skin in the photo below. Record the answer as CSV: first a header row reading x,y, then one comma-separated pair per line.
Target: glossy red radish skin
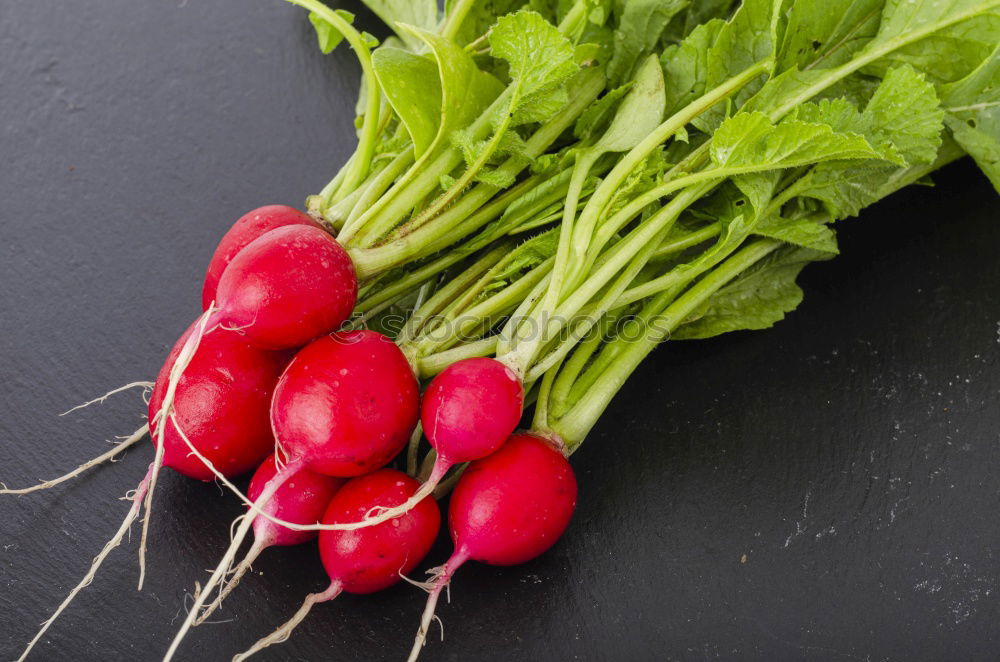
x,y
371,559
222,404
346,404
510,507
247,228
467,411
302,499
287,287
507,508
470,409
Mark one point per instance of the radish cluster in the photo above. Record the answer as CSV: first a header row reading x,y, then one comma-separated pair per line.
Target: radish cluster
x,y
266,380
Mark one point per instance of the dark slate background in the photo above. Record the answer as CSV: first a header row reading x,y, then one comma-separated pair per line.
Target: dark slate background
x,y
824,490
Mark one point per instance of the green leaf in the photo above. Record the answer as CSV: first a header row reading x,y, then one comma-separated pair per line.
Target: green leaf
x,y
418,13
482,16
539,56
808,232
905,111
411,84
529,254
972,107
745,39
539,106
639,113
329,37
749,142
695,14
902,119
713,53
465,90
638,31
818,34
757,299
685,65
596,117
949,37
845,187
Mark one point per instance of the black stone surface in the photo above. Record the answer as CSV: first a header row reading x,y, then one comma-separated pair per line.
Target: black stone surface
x,y
826,490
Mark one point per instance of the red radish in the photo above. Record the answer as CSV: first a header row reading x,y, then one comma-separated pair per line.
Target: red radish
x,y
468,411
217,401
344,406
286,287
247,228
222,404
302,499
506,509
371,559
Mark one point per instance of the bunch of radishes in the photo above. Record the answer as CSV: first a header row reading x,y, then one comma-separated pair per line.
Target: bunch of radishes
x,y
265,379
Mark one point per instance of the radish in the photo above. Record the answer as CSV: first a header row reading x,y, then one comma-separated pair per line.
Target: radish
x,y
372,559
222,404
344,406
286,287
507,508
467,412
247,228
218,406
302,499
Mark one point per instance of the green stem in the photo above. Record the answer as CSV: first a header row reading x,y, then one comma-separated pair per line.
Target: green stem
x,y
657,322
489,310
357,169
370,261
550,324
630,161
453,21
428,366
685,241
567,374
378,185
439,300
473,168
595,312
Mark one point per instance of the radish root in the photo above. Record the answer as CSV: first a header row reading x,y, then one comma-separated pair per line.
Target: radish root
x,y
131,440
282,634
166,410
441,581
116,540
227,588
146,386
229,556
374,516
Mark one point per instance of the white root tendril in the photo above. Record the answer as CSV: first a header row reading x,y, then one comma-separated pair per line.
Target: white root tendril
x,y
146,386
217,575
104,457
226,587
167,410
441,579
425,490
282,634
98,560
